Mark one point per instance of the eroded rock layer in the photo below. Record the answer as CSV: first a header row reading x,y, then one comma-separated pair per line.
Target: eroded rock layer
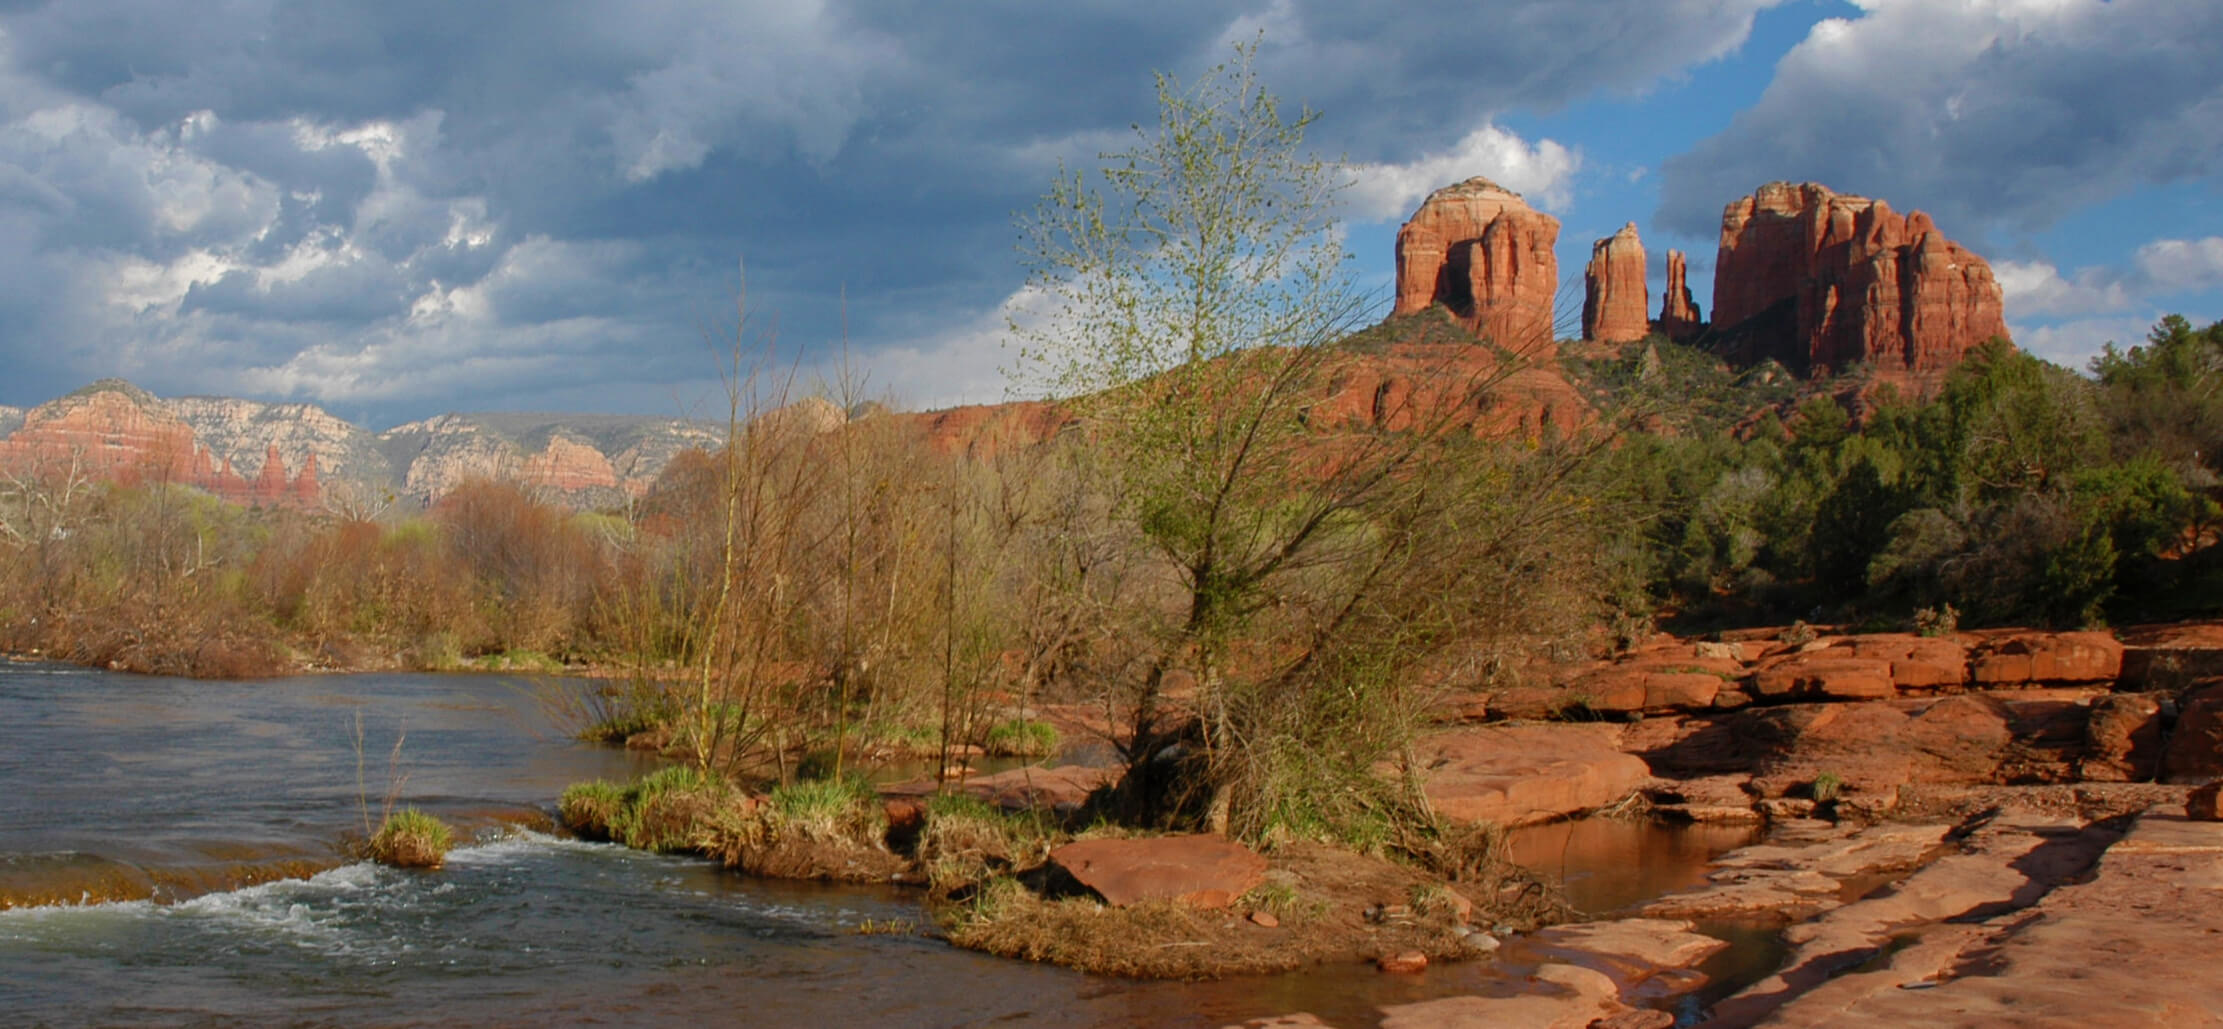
x,y
1819,279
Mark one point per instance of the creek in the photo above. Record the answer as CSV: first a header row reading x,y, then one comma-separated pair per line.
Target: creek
x,y
169,856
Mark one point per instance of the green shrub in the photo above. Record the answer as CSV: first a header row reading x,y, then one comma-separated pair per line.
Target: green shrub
x,y
410,838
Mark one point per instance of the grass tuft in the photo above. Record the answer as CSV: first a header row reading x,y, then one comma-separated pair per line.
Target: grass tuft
x,y
1021,737
410,838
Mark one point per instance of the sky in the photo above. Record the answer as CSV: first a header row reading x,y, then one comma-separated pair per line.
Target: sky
x,y
401,208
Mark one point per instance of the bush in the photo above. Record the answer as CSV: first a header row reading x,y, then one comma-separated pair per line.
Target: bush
x,y
410,839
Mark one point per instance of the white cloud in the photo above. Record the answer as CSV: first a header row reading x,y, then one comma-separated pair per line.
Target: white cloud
x,y
1982,112
2038,288
975,362
1542,171
2160,268
2074,344
2172,265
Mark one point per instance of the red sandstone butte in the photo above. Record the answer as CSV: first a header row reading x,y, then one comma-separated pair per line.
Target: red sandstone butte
x,y
569,465
1614,295
1846,279
1481,251
1678,312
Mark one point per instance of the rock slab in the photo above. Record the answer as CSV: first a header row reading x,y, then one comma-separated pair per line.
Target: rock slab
x,y
1516,775
1200,871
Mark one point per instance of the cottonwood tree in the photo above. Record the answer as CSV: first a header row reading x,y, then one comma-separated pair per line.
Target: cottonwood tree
x,y
1194,291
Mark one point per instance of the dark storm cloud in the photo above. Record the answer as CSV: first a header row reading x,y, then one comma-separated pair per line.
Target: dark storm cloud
x,y
413,206
1984,114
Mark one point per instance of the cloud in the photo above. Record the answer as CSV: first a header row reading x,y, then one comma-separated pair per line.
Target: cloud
x,y
1986,113
2181,265
412,207
2160,268
1543,172
2073,344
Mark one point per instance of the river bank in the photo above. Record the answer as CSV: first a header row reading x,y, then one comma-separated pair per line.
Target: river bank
x,y
1903,817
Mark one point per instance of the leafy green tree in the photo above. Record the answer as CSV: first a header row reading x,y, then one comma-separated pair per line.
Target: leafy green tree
x,y
1195,290
2167,396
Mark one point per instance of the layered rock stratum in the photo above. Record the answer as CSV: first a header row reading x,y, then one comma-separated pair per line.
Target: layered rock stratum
x,y
1817,280
114,430
1479,250
299,455
1614,296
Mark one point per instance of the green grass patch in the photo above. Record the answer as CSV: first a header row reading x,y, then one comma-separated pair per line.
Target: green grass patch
x,y
1021,737
665,811
828,809
410,838
518,661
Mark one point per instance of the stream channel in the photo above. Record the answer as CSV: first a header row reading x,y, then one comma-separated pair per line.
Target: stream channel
x,y
168,856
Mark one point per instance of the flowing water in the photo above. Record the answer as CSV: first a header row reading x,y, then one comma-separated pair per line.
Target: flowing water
x,y
168,856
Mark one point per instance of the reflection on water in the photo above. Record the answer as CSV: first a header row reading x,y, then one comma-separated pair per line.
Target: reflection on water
x,y
1607,865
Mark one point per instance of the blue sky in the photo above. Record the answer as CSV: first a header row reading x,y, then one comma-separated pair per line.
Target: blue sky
x,y
398,209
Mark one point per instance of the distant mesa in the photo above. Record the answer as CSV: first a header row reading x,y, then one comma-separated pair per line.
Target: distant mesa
x,y
1479,250
297,455
1821,280
113,430
1614,295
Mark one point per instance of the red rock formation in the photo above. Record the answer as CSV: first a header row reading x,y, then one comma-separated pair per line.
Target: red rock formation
x,y
304,492
1460,388
1678,312
568,465
1844,279
1481,251
1614,296
110,430
115,431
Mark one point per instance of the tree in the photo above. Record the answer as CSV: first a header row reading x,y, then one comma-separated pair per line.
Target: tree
x,y
1196,290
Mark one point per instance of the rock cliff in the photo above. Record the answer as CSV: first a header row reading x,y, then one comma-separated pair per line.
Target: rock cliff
x,y
585,460
1614,296
243,432
1823,280
115,430
1679,318
299,455
1478,249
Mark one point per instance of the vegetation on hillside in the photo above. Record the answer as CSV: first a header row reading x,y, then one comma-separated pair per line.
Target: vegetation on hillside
x,y
2022,493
